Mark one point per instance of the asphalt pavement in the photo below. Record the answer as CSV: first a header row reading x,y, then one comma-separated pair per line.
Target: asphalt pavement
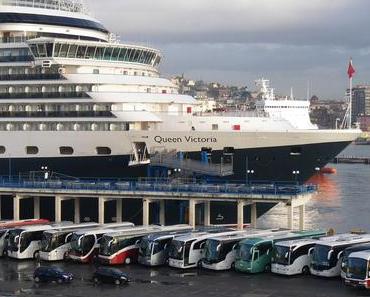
x,y
16,280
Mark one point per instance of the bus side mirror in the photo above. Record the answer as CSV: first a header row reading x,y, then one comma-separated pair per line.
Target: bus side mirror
x,y
137,242
234,247
218,247
67,238
329,254
165,246
16,239
339,255
310,251
202,245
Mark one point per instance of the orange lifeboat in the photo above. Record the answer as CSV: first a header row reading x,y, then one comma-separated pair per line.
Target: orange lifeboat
x,y
328,170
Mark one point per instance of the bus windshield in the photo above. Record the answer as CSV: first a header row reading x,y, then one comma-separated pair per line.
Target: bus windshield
x,y
176,250
245,252
281,255
14,236
212,250
82,244
2,232
357,268
320,255
145,249
51,242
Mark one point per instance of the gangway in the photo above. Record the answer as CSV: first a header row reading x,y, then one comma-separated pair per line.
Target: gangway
x,y
175,160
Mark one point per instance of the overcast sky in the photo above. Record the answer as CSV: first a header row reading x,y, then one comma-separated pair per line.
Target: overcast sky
x,y
290,42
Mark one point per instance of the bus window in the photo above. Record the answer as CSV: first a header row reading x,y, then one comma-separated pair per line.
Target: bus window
x,y
265,248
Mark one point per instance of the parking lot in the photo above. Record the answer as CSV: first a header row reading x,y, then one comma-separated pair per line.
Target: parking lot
x,y
16,280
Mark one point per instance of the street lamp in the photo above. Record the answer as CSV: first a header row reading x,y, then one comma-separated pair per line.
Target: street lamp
x,y
296,173
336,123
248,173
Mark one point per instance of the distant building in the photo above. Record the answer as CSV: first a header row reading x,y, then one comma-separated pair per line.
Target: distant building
x,y
364,123
360,102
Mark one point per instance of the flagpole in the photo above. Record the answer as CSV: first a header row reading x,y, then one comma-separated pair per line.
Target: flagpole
x,y
350,104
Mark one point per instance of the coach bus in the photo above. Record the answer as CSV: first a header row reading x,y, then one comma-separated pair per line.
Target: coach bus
x,y
25,242
254,255
187,251
5,227
292,257
347,252
85,243
153,249
219,252
56,244
358,270
327,256
123,247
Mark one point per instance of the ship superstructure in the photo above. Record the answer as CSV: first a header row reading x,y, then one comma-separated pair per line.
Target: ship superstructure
x,y
77,101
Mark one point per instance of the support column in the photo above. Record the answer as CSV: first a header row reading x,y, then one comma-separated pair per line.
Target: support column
x,y
58,209
16,207
207,213
77,210
162,212
146,205
254,215
118,210
101,210
240,217
290,210
302,218
192,204
36,207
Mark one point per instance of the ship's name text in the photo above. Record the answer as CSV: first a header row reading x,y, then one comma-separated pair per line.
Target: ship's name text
x,y
187,139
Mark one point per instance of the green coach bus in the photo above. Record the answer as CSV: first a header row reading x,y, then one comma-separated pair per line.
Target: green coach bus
x,y
254,255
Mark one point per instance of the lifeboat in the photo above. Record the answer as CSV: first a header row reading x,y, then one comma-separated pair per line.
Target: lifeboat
x,y
328,170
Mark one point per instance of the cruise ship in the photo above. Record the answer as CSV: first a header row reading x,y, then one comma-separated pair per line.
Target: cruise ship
x,y
75,100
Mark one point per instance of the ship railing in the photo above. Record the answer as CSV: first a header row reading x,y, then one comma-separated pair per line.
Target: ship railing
x,y
159,185
63,5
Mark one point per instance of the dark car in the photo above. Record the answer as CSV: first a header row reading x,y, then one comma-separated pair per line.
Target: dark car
x,y
52,274
110,275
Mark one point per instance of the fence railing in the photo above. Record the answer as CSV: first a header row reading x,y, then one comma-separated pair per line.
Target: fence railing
x,y
157,185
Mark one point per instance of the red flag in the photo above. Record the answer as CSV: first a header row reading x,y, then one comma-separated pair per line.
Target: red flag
x,y
351,70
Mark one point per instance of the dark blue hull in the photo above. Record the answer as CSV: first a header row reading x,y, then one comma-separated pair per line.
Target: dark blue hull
x,y
270,164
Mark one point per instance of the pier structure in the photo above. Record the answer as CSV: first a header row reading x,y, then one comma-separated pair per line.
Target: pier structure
x,y
158,191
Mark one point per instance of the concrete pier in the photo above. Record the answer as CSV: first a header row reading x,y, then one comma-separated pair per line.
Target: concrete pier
x,y
293,196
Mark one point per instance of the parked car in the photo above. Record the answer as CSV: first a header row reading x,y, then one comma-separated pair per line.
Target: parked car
x,y
110,275
52,274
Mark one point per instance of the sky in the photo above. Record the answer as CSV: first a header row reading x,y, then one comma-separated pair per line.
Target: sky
x,y
294,43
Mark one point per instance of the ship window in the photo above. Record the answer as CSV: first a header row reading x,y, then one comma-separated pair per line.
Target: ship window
x,y
103,150
72,51
214,127
96,71
32,150
296,151
66,150
2,149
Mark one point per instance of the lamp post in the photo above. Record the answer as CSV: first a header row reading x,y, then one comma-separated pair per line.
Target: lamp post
x,y
248,173
296,173
336,123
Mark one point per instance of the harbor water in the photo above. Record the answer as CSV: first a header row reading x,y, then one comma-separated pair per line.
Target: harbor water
x,y
343,199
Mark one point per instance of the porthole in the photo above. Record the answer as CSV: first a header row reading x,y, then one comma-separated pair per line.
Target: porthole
x,y
32,150
103,150
66,150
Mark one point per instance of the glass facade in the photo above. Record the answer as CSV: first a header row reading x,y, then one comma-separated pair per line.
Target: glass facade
x,y
95,52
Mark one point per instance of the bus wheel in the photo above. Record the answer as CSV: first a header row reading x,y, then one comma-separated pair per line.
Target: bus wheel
x,y
267,268
128,261
117,282
306,270
233,266
37,279
96,280
5,253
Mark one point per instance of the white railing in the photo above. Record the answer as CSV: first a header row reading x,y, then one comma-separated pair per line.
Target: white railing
x,y
63,5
